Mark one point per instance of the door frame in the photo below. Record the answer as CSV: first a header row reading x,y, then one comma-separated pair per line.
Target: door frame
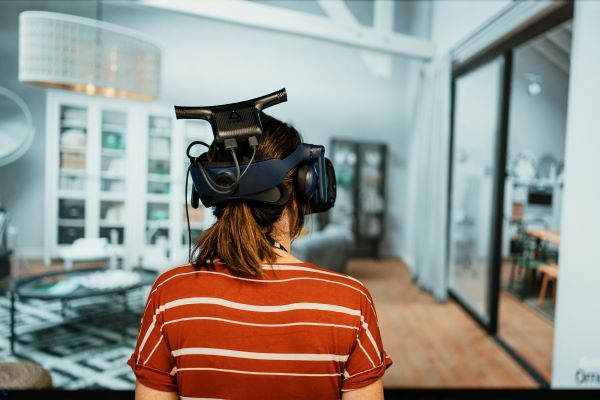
x,y
493,283
502,48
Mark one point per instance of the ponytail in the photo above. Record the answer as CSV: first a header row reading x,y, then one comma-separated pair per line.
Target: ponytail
x,y
237,240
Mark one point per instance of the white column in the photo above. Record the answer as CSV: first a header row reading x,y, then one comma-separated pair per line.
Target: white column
x,y
577,336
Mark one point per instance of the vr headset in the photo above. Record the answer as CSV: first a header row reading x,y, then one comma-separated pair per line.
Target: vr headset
x,y
234,174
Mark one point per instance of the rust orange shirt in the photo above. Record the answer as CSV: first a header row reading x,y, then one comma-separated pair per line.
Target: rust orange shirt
x,y
297,332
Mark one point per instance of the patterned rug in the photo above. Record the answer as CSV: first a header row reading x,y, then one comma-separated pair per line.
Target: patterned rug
x,y
86,350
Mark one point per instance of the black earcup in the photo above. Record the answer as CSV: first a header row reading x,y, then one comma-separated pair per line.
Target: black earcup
x,y
318,204
306,181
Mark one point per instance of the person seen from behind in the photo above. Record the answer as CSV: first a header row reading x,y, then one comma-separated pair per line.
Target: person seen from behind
x,y
247,320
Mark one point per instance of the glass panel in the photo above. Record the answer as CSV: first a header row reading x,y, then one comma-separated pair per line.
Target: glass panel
x,y
476,121
344,159
113,163
71,220
159,155
112,221
157,222
371,212
73,140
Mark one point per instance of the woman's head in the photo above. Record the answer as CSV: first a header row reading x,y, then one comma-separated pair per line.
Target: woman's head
x,y
242,237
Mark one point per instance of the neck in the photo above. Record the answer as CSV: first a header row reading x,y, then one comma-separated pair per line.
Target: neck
x,y
281,234
282,255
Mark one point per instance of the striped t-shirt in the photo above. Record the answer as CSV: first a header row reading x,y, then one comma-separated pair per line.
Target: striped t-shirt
x,y
298,331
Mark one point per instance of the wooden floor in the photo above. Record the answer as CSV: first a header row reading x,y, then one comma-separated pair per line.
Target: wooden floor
x,y
432,345
526,330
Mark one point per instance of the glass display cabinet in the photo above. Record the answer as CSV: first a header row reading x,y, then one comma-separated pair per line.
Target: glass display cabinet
x,y
360,205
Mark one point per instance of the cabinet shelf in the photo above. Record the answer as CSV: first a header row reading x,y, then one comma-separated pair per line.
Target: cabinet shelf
x,y
111,224
73,172
112,196
66,148
112,175
159,133
159,156
113,152
76,223
113,128
73,124
159,177
72,194
158,223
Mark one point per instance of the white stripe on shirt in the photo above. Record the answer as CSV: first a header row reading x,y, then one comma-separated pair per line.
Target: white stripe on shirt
x,y
153,350
281,267
365,351
206,351
235,371
261,325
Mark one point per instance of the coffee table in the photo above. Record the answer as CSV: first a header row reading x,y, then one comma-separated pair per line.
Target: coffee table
x,y
65,286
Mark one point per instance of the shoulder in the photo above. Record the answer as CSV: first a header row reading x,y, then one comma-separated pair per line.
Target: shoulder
x,y
171,273
309,270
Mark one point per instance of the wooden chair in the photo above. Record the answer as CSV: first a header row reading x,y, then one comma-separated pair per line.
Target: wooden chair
x,y
526,261
549,273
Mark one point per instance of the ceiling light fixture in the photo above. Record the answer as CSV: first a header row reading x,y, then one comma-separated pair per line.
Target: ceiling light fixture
x,y
534,85
87,55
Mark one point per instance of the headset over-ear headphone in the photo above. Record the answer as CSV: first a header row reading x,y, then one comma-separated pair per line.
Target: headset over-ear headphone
x,y
237,129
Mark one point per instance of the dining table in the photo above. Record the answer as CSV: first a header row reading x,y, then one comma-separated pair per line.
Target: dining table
x,y
545,235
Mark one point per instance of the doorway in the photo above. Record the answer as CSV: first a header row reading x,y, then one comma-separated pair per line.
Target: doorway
x,y
506,150
533,196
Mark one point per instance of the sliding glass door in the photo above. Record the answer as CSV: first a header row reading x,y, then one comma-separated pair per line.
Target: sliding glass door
x,y
475,159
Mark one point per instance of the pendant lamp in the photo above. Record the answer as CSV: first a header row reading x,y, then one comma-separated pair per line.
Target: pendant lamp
x,y
86,55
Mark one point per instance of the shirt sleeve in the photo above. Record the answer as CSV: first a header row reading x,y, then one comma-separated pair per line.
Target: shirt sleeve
x,y
151,360
367,361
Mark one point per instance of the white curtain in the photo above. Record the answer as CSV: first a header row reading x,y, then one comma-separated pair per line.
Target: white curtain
x,y
429,179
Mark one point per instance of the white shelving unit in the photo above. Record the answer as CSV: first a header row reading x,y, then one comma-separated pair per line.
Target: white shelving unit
x,y
116,165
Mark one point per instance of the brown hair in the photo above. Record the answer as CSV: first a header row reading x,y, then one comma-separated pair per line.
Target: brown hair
x,y
241,236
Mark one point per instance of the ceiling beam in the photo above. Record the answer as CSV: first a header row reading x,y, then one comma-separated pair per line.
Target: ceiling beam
x,y
379,63
556,57
562,39
298,23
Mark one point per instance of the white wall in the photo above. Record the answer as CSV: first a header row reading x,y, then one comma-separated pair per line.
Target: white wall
x,y
576,362
331,93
